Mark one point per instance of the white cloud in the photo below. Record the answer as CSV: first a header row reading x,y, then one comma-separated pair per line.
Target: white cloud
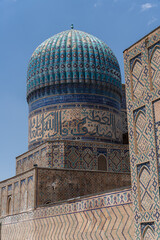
x,y
152,21
147,6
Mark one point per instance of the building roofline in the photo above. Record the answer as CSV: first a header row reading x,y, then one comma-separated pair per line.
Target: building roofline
x,y
141,39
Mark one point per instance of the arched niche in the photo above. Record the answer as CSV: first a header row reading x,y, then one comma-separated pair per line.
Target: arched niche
x,y
141,132
145,189
9,205
155,67
102,163
137,79
148,233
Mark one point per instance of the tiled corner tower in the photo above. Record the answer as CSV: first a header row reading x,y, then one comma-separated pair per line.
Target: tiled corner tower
x,y
142,78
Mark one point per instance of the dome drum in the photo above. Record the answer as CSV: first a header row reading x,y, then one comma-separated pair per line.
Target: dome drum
x,y
106,89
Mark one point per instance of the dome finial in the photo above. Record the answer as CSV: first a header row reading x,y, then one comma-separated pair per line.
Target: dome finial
x,y
72,26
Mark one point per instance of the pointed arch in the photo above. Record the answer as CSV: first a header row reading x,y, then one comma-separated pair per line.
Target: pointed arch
x,y
9,205
141,130
148,233
153,51
137,78
102,162
134,62
155,66
145,188
139,112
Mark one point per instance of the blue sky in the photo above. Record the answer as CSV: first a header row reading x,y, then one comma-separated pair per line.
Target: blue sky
x,y
24,24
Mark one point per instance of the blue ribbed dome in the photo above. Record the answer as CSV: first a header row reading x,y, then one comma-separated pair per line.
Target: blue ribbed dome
x,y
75,59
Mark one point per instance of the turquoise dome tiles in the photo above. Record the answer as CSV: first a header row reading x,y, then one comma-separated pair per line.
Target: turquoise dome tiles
x,y
73,62
74,90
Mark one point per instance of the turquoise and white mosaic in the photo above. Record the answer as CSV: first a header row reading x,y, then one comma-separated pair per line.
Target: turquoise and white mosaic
x,y
74,90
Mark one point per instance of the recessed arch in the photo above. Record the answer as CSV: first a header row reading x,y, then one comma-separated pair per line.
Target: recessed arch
x,y
134,62
155,67
138,114
141,130
153,51
137,78
144,189
148,233
9,205
102,162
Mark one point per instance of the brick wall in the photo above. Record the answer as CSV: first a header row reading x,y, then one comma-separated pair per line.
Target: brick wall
x,y
58,185
17,193
104,216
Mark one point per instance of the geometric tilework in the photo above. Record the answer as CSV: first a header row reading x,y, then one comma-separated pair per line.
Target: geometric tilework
x,y
149,234
156,115
80,99
137,77
105,216
73,57
75,155
147,231
147,76
133,60
155,67
141,129
145,187
74,90
84,155
124,121
124,111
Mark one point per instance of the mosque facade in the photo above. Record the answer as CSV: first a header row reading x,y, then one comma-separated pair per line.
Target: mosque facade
x,y
80,179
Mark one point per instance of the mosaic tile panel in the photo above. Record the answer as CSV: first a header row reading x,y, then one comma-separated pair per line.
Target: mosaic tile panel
x,y
75,155
156,107
144,47
137,78
141,127
145,186
70,60
155,66
76,124
62,99
106,216
124,111
147,231
84,155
